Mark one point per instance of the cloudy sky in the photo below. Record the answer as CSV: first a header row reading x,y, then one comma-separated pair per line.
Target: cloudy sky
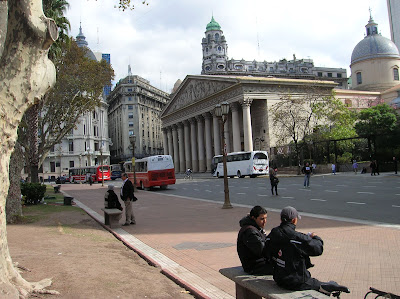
x,y
162,41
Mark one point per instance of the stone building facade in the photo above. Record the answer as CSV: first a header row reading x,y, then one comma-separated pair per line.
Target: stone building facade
x,y
191,131
134,109
217,62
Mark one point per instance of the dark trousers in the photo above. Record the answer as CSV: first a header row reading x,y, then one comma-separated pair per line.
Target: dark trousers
x,y
276,189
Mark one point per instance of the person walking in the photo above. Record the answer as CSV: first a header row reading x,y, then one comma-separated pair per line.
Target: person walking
x,y
395,165
127,196
373,167
307,172
290,252
334,168
314,168
274,181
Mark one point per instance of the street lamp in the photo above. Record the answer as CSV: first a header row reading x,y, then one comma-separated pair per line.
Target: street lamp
x,y
221,111
132,139
101,165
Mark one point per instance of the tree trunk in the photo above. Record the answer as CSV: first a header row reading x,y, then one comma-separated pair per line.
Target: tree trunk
x,y
32,116
13,203
25,75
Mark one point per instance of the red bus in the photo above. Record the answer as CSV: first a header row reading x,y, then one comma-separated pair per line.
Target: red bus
x,y
79,174
152,171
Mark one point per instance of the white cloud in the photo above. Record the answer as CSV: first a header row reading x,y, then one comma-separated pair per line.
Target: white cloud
x,y
166,35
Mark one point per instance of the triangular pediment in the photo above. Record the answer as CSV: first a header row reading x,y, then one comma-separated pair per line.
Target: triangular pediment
x,y
196,88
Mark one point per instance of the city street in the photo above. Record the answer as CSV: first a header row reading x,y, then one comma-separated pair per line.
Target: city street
x,y
362,197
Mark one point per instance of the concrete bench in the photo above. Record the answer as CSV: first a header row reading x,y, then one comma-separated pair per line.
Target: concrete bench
x,y
111,217
257,287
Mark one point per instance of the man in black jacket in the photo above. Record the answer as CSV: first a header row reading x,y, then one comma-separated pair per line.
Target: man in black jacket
x,y
127,197
251,242
290,252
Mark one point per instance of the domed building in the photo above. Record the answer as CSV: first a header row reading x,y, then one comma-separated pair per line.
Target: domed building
x,y
375,62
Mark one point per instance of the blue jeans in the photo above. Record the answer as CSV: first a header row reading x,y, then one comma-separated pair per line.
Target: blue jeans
x,y
307,180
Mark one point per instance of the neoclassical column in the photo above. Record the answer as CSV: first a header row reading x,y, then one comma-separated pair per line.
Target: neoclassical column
x,y
200,143
170,145
176,147
247,129
217,134
188,158
165,141
209,155
193,145
227,135
235,127
181,148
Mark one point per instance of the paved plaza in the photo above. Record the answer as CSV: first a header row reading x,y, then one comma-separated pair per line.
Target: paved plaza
x,y
191,239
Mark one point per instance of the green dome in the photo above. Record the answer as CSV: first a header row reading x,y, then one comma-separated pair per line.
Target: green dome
x,y
213,25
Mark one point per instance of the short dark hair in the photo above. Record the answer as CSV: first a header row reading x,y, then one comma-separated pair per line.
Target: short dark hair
x,y
124,174
257,211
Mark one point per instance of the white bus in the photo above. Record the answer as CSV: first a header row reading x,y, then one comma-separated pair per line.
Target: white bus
x,y
241,164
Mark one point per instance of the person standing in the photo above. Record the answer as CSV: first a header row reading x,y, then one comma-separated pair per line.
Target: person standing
x,y
290,253
251,242
334,168
307,172
395,165
127,195
274,181
373,167
355,166
314,168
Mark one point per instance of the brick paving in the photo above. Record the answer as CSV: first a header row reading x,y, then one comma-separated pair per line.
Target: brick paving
x,y
192,239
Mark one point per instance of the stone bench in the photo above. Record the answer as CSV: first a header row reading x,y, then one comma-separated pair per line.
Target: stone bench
x,y
111,217
257,287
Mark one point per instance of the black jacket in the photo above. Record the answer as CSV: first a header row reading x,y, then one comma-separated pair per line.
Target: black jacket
x,y
111,200
251,246
290,252
127,191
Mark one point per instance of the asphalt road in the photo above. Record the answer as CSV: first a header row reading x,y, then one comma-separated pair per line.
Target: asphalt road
x,y
362,197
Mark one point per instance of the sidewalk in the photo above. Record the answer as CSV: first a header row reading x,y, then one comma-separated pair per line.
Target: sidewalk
x,y
192,239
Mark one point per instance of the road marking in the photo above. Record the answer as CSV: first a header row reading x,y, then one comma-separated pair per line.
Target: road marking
x,y
361,192
241,193
317,199
196,189
341,185
331,191
369,186
356,203
397,194
395,206
262,195
288,197
208,191
245,187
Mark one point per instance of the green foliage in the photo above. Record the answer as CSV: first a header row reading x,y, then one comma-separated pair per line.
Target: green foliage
x,y
33,192
345,158
125,4
378,120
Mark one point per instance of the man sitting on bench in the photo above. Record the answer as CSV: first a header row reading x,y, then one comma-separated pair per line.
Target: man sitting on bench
x,y
251,241
290,252
111,199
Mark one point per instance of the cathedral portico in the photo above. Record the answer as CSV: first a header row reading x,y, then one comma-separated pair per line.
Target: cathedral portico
x,y
197,137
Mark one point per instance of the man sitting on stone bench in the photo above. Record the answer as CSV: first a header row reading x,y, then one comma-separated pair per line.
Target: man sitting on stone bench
x,y
251,243
111,199
290,253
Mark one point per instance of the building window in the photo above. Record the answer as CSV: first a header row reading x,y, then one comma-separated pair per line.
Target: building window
x,y
359,78
52,167
330,75
396,74
129,89
96,146
130,115
129,98
130,133
319,74
339,75
71,146
58,163
52,149
130,107
216,37
71,164
131,124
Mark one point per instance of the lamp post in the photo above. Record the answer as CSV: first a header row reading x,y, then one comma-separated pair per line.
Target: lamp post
x,y
101,165
80,168
221,111
132,139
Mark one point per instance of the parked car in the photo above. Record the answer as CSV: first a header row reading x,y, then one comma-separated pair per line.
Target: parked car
x,y
62,180
116,174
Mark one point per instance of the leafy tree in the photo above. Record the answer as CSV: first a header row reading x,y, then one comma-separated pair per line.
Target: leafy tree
x,y
378,120
80,82
295,115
